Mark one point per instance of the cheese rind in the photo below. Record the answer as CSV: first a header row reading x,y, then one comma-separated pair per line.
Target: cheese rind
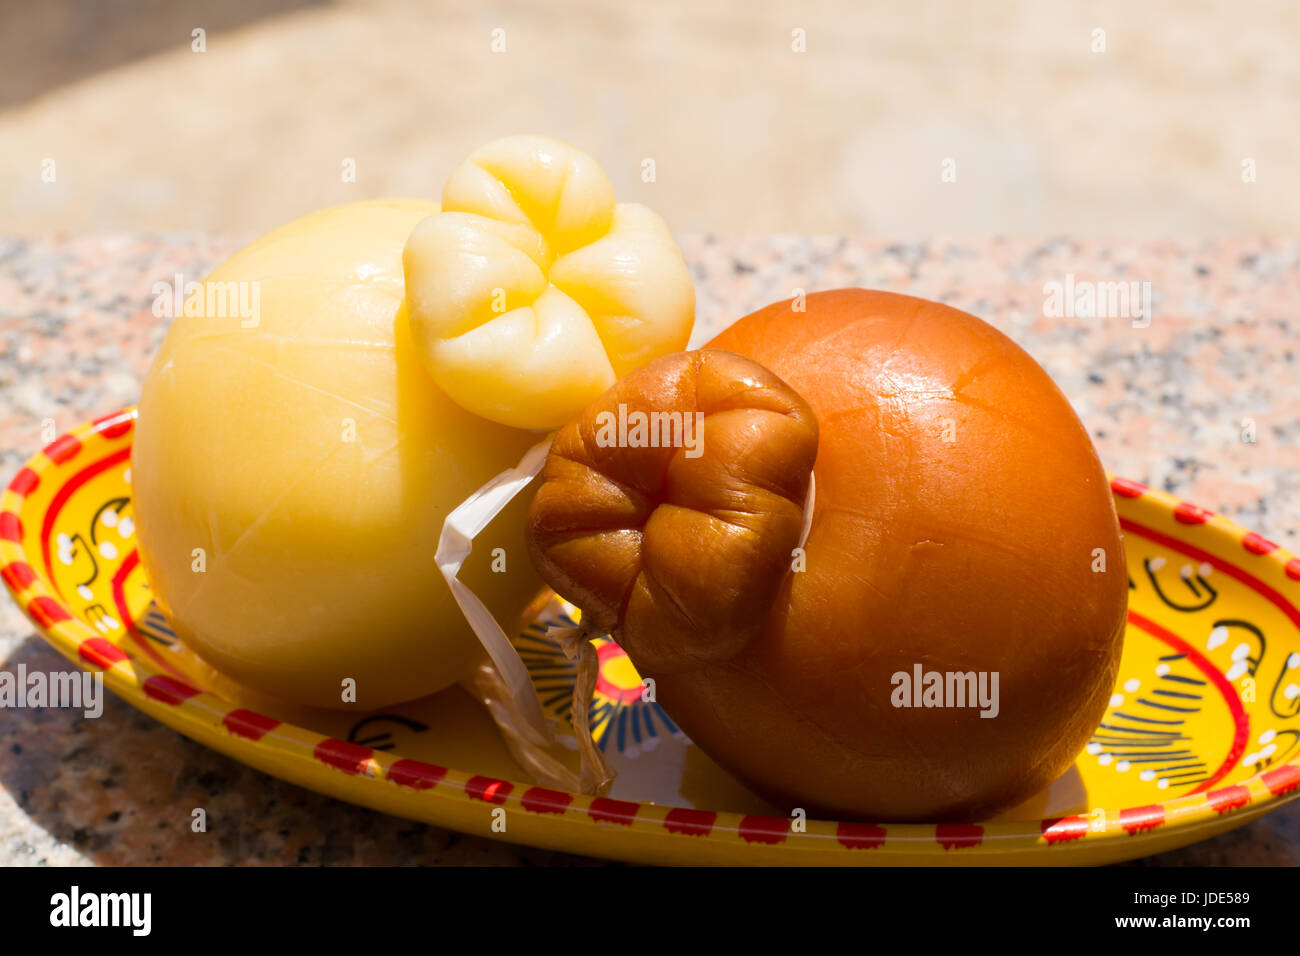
x,y
291,479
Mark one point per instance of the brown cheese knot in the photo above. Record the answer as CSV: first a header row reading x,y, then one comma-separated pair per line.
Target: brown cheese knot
x,y
669,508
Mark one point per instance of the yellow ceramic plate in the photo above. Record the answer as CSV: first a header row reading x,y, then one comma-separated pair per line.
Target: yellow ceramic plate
x,y
1203,731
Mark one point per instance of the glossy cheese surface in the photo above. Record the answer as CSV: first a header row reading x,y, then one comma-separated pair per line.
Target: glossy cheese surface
x,y
961,541
963,524
291,478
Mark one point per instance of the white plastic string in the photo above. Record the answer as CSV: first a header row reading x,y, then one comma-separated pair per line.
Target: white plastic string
x,y
505,686
459,529
596,773
809,503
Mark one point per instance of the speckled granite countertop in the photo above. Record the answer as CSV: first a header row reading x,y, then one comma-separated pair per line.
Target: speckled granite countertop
x,y
1165,404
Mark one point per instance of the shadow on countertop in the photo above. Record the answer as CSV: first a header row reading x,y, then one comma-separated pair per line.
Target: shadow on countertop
x,y
120,789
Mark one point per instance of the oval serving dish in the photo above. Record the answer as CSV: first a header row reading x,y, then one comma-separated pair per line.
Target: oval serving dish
x,y
1202,733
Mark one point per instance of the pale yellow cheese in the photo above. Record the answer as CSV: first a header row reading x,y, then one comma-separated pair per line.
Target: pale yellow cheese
x,y
291,479
534,291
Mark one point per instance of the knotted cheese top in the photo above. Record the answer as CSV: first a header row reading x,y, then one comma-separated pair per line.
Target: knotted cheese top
x,y
533,291
674,534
